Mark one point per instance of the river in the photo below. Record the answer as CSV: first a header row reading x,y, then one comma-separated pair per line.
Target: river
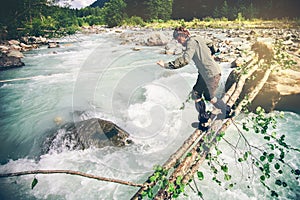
x,y
94,76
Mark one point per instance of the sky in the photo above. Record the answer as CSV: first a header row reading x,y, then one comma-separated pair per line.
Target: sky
x,y
78,3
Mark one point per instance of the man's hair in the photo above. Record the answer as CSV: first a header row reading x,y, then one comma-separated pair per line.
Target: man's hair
x,y
180,31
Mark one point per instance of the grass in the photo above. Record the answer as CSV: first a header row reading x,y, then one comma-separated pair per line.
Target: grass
x,y
224,23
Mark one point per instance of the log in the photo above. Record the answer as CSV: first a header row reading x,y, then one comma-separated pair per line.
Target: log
x,y
239,108
190,145
173,159
189,168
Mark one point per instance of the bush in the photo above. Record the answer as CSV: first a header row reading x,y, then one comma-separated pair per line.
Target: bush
x,y
93,20
134,21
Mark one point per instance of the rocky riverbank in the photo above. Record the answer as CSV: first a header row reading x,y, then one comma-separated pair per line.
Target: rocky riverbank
x,y
11,51
238,47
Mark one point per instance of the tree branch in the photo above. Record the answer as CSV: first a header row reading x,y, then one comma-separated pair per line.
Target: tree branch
x,y
99,178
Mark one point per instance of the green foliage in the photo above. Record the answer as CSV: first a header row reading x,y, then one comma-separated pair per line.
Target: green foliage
x,y
134,21
114,12
272,155
282,57
159,176
177,188
240,17
93,20
159,9
33,17
89,11
238,11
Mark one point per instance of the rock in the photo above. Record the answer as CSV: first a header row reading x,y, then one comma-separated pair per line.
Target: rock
x,y
16,54
42,40
53,44
4,49
136,49
252,32
7,62
237,63
263,51
13,42
15,47
26,47
91,133
281,91
58,120
286,81
34,40
157,39
173,48
288,42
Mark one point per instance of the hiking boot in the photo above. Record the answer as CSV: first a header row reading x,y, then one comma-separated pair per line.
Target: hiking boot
x,y
203,127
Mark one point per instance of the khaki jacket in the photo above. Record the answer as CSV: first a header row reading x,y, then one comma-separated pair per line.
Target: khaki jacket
x,y
197,50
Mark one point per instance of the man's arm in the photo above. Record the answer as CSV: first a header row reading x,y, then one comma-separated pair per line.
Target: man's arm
x,y
182,60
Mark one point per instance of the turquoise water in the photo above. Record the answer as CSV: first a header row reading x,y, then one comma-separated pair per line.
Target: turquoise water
x,y
94,76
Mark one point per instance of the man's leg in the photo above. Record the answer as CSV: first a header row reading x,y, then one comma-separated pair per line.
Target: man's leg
x,y
203,116
225,109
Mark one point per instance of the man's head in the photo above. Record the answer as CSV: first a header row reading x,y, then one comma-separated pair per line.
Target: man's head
x,y
181,34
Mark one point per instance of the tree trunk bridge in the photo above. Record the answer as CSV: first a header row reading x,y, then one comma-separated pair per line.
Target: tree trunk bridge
x,y
185,162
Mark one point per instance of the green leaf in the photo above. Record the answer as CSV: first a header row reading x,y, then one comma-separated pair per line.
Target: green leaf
x,y
152,178
171,187
262,158
284,184
219,152
246,154
224,168
245,127
271,157
240,159
274,194
144,193
258,109
278,182
150,194
200,175
281,114
200,194
34,182
267,138
277,166
189,154
178,180
227,177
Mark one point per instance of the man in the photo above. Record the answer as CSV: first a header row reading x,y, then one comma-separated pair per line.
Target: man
x,y
209,73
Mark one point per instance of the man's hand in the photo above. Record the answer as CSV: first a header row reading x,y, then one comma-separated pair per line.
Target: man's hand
x,y
161,63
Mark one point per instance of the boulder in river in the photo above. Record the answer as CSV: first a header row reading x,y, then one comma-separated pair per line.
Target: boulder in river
x,y
7,62
85,134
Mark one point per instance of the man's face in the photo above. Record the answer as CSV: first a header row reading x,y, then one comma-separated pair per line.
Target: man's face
x,y
181,39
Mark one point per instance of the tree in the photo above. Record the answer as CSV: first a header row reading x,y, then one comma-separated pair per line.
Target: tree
x,y
160,9
114,12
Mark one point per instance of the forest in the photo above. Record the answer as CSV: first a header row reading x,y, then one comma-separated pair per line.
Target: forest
x,y
46,18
